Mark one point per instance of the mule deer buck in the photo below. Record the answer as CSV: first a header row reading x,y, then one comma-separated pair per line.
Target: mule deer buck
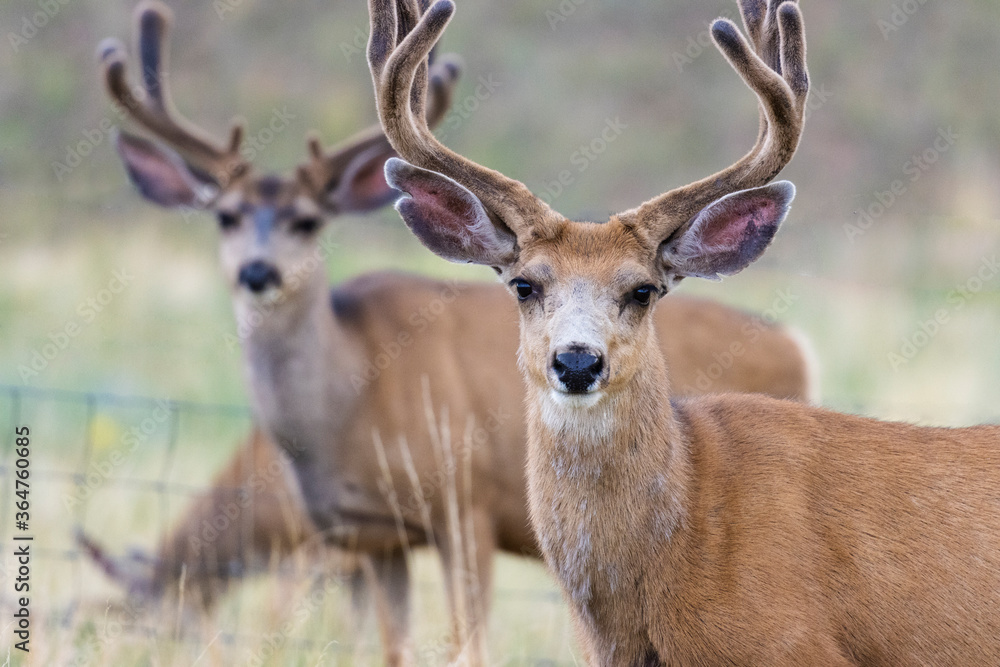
x,y
725,529
318,383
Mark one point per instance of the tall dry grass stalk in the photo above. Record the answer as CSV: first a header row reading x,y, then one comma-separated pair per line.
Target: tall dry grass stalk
x,y
458,546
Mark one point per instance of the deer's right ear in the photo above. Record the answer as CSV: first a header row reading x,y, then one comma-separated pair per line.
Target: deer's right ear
x,y
447,218
362,187
160,174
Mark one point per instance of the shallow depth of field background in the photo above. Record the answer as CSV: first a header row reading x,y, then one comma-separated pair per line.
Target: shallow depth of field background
x,y
860,269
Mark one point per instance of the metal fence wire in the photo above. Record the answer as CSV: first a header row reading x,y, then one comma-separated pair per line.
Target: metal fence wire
x,y
122,468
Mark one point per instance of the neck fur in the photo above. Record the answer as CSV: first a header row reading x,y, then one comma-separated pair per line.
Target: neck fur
x,y
603,479
624,459
636,422
298,358
261,321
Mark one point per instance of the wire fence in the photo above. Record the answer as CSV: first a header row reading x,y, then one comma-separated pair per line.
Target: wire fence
x,y
92,402
78,480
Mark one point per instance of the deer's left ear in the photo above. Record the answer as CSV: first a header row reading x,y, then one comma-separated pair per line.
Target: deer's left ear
x,y
727,235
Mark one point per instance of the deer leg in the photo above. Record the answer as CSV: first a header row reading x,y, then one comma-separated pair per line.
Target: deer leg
x,y
359,581
388,575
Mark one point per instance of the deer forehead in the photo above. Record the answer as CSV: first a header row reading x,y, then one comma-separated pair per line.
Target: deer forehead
x,y
285,196
608,257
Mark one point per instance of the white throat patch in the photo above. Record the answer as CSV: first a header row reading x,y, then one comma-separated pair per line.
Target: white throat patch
x,y
586,418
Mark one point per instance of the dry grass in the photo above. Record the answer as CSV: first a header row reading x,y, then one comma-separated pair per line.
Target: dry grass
x,y
288,616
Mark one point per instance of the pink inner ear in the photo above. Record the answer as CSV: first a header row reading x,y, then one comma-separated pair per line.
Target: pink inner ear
x,y
738,222
453,216
158,177
451,209
448,218
444,206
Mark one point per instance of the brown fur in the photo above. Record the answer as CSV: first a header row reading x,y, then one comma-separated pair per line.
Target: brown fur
x,y
743,530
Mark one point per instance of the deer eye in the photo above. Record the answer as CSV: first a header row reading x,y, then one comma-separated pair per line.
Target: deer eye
x,y
305,226
642,295
228,220
523,287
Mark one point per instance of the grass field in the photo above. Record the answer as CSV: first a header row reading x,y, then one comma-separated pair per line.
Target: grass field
x,y
103,295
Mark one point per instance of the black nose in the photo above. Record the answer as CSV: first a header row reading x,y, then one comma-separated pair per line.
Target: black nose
x,y
258,275
577,370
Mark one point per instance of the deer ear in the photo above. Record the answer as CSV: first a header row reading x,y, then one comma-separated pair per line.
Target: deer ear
x,y
362,186
160,174
727,235
447,218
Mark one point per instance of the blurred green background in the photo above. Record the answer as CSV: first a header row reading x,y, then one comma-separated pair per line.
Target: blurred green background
x,y
895,222
886,84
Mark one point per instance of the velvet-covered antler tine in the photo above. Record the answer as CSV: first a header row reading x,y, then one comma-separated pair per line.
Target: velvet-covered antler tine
x,y
155,112
409,15
781,85
754,12
441,80
326,166
396,56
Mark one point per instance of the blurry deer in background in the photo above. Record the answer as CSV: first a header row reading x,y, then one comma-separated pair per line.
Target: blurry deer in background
x,y
727,529
310,360
251,518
